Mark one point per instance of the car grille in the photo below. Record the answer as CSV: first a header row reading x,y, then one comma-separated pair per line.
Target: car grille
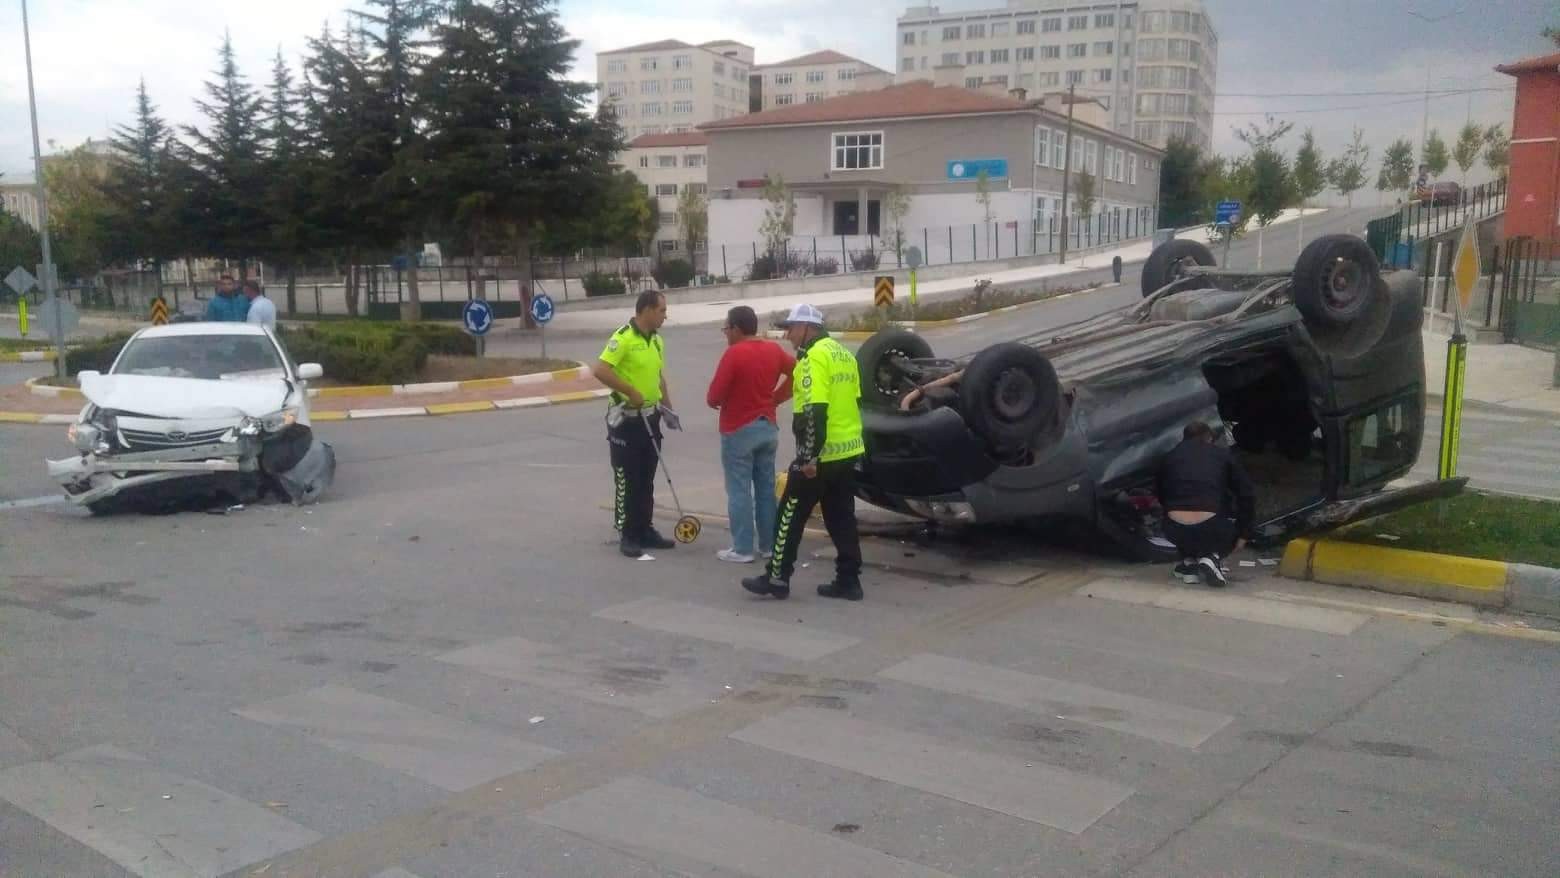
x,y
147,440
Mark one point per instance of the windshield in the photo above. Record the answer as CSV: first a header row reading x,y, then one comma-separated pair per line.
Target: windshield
x,y
213,357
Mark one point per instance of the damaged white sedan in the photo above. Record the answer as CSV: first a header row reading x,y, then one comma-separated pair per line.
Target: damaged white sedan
x,y
193,412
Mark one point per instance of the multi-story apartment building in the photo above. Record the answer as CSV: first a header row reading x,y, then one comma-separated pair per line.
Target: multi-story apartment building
x,y
20,199
812,78
671,86
1152,63
670,165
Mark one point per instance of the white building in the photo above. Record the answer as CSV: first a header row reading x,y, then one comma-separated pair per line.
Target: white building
x,y
812,78
669,165
1152,63
21,201
671,86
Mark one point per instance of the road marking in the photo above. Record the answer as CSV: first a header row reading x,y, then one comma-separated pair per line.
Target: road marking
x,y
32,502
1253,669
1506,462
1287,829
447,753
523,402
621,681
725,626
1143,717
1030,791
1229,606
150,821
641,815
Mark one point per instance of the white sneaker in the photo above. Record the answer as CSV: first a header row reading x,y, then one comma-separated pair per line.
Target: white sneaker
x,y
734,556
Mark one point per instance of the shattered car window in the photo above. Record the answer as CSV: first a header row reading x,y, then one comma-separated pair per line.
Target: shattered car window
x,y
211,357
1381,441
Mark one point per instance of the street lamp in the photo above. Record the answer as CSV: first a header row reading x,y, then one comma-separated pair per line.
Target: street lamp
x,y
49,293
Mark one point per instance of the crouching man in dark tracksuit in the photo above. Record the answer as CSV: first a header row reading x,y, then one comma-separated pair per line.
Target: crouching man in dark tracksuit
x,y
826,418
1197,481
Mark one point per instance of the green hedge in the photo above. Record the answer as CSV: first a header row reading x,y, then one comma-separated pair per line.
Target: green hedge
x,y
598,284
373,352
96,355
673,273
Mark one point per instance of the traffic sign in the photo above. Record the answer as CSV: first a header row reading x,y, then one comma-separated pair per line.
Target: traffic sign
x,y
1226,213
69,319
913,258
477,316
159,311
542,309
1465,267
21,280
883,291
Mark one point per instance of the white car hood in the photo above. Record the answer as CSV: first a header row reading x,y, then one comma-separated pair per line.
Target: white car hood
x,y
186,397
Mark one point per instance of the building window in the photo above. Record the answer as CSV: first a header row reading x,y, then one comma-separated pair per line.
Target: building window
x,y
975,32
739,74
693,160
697,188
653,109
1027,53
1026,81
668,245
845,74
1102,76
815,76
858,151
784,78
1106,20
972,82
1078,50
1104,49
1042,146
951,33
1151,50
719,89
907,38
682,62
718,68
1059,150
1000,79
644,161
784,100
682,108
1078,22
667,189
906,65
1000,28
1050,53
666,161
682,84
975,57
650,87
1026,27
617,65
648,64
1153,22
668,218
1091,157
1050,79
1126,21
1075,77
814,97
999,56
1051,25
950,59
1131,169
617,89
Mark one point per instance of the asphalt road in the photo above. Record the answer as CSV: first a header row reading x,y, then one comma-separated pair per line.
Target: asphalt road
x,y
445,670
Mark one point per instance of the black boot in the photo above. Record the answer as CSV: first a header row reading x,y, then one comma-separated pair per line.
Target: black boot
x,y
778,589
651,539
630,547
845,591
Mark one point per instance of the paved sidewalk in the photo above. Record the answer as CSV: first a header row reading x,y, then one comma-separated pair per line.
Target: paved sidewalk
x,y
1499,374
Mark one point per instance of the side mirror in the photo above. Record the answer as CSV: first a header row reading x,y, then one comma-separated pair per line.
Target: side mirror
x,y
310,371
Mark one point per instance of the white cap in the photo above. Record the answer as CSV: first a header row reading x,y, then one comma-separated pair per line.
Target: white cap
x,y
803,313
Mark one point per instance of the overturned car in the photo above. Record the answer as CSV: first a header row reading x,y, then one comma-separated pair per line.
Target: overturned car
x,y
195,412
1315,375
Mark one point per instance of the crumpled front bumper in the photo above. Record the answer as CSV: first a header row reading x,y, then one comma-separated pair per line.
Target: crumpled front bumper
x,y
89,477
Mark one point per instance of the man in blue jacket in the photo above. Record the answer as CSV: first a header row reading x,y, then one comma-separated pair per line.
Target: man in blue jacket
x,y
227,305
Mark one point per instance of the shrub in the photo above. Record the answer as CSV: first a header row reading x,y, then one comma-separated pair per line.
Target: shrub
x,y
767,267
673,273
598,284
97,355
866,260
366,353
826,265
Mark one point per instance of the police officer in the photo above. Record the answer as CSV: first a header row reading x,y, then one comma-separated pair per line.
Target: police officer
x,y
632,365
826,418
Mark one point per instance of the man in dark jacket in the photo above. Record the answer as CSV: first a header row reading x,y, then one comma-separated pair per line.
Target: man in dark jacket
x,y
1197,481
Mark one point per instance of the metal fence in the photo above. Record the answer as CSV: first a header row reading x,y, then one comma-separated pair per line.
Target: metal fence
x,y
1394,237
1530,293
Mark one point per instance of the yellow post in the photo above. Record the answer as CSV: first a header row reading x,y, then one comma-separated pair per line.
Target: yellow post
x,y
1465,275
21,314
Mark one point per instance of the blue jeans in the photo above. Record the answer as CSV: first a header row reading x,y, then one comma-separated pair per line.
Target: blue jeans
x,y
748,456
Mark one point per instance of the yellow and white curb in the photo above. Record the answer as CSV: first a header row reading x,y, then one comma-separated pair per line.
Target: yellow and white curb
x,y
527,380
26,356
1498,584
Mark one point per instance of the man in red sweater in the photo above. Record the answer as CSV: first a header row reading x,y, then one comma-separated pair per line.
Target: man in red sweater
x,y
753,376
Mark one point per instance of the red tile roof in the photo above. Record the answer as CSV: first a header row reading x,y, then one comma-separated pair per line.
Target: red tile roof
x,y
661,46
827,56
1530,65
912,99
681,138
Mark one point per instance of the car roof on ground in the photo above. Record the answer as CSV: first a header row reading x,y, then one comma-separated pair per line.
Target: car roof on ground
x,y
202,328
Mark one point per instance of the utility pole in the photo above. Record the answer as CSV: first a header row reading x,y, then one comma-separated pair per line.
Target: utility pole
x,y
50,295
1067,170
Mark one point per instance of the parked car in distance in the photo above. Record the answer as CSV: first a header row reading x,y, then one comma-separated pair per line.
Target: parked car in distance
x,y
1315,374
195,409
1445,194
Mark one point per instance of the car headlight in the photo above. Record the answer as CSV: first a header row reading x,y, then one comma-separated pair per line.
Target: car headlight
x,y
272,423
89,438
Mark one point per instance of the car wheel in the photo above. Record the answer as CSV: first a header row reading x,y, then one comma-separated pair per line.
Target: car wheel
x,y
1010,396
883,381
1169,260
1336,280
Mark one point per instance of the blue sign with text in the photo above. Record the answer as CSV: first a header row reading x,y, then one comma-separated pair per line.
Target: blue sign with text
x,y
969,169
1226,213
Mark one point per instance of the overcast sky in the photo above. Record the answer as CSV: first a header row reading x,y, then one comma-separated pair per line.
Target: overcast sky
x,y
89,54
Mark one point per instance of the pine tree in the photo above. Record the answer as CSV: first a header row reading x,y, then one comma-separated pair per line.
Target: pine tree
x,y
1179,183
288,170
228,161
143,189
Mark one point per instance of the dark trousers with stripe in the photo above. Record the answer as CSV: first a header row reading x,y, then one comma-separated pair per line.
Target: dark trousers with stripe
x,y
634,461
835,488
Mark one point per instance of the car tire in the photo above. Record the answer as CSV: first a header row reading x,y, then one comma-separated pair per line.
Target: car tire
x,y
1010,396
874,359
1336,280
1165,263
